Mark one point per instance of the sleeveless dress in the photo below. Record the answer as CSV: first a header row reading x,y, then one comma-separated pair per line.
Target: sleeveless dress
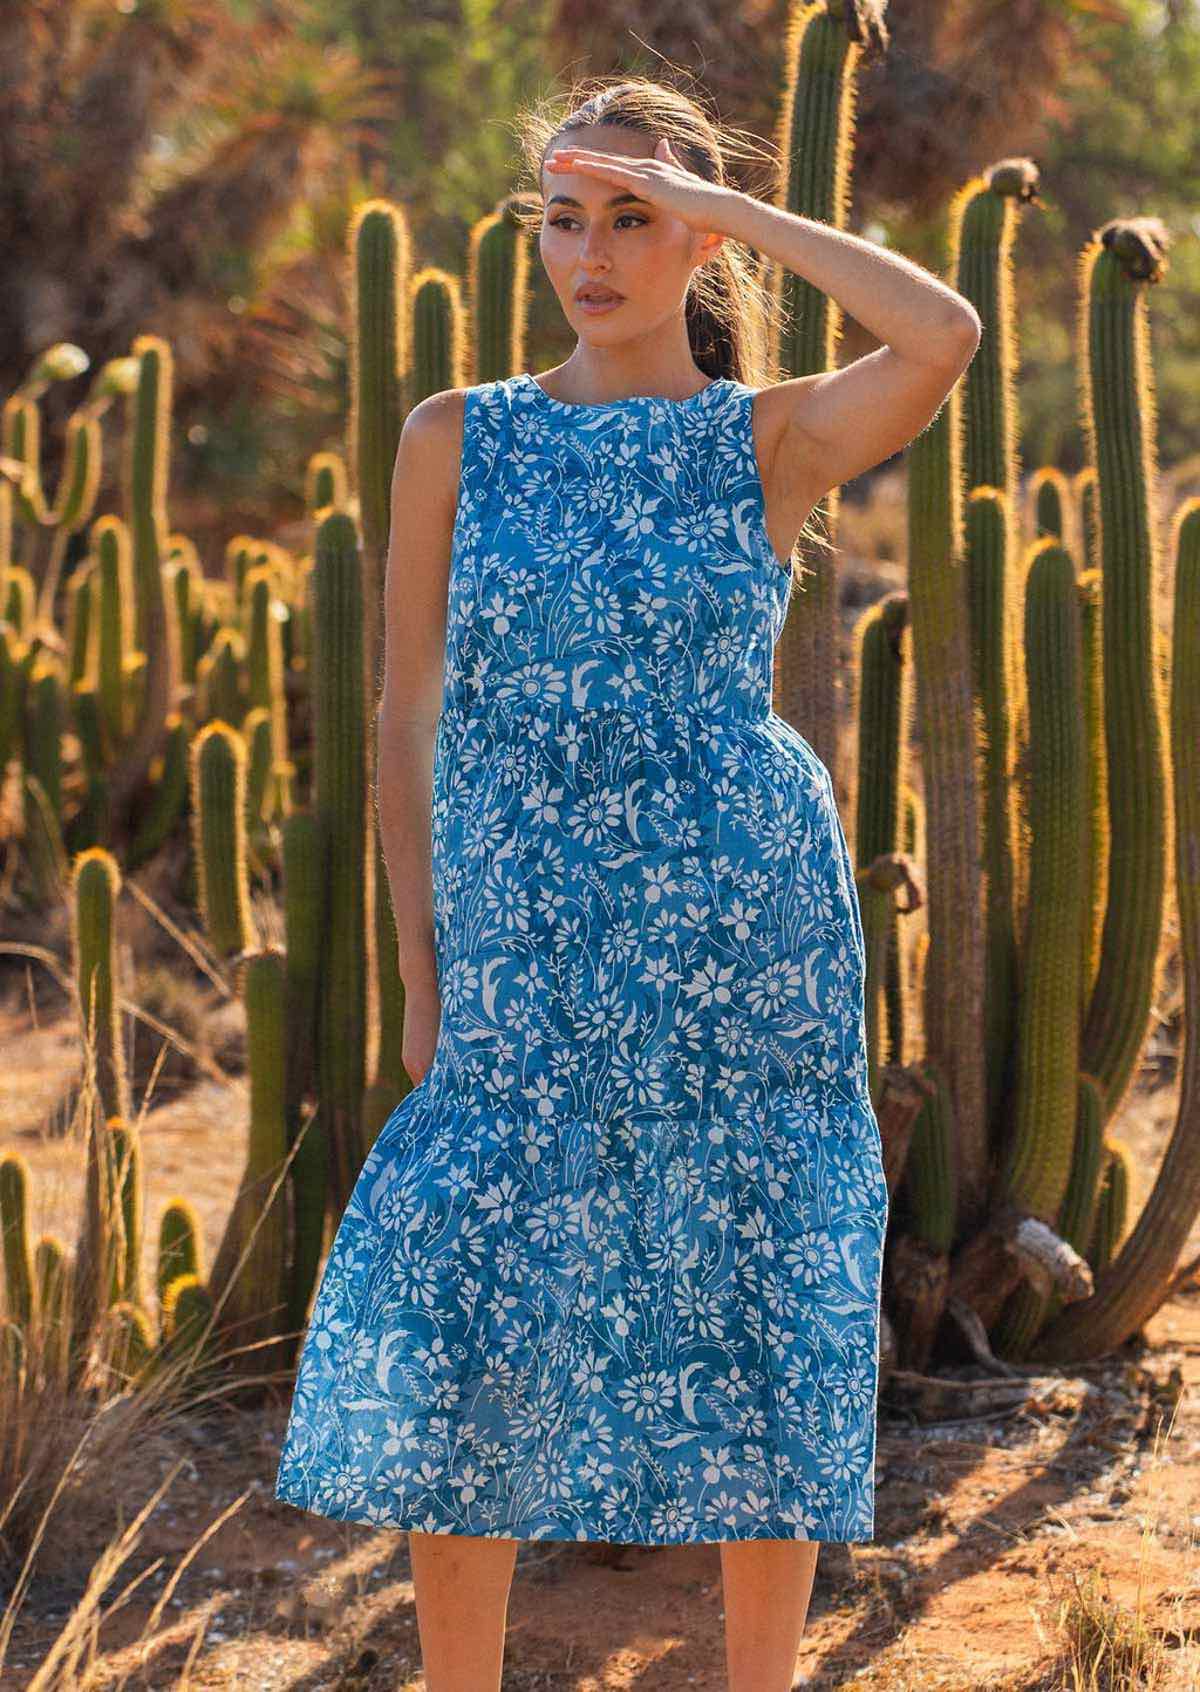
x,y
612,1270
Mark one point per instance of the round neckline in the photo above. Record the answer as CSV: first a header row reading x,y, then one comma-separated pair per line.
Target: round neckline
x,y
613,405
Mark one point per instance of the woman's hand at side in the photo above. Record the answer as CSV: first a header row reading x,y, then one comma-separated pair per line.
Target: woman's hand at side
x,y
424,496
422,1019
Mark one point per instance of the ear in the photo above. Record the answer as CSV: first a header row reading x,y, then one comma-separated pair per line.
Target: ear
x,y
710,245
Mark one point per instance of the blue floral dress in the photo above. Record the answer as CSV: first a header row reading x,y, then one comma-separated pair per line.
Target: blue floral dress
x,y
612,1270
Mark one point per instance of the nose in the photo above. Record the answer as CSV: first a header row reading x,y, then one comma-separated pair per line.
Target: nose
x,y
594,248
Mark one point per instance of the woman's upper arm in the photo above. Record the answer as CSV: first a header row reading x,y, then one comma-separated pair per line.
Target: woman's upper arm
x,y
424,496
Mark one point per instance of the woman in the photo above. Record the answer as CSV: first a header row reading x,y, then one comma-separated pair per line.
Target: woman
x,y
612,1270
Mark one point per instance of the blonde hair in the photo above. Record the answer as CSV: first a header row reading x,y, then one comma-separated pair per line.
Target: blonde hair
x,y
732,311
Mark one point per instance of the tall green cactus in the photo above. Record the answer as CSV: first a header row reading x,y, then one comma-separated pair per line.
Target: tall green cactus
x,y
984,221
1119,415
1028,1307
954,968
127,1170
498,288
81,585
248,1278
990,577
14,1237
189,1318
882,682
145,489
304,892
1096,825
16,657
18,603
379,367
1087,501
1050,497
168,802
187,597
54,1276
258,732
382,339
45,716
983,225
45,855
127,1344
1077,1215
179,1244
114,628
20,439
96,887
218,794
101,1248
378,360
930,1176
438,334
264,656
219,675
1042,1130
340,793
325,483
821,56
1137,1281
91,824
920,1257
1112,1206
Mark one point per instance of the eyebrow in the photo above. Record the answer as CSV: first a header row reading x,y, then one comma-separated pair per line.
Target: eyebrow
x,y
617,200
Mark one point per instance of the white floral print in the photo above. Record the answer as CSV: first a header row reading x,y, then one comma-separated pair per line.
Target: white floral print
x,y
612,1270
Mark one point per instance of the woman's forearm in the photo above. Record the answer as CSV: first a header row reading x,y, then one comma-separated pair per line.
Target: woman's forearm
x,y
901,303
404,784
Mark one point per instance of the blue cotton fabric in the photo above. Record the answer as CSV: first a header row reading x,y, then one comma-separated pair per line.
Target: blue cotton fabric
x,y
612,1270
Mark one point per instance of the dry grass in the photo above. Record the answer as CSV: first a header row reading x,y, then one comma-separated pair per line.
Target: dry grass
x,y
70,1428
1108,1646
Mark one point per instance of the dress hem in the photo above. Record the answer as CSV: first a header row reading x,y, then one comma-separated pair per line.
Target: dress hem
x,y
525,1531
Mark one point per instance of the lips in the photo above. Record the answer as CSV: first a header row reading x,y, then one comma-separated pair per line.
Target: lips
x,y
598,294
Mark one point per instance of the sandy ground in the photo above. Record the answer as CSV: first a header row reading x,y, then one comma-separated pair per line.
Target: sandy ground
x,y
981,1526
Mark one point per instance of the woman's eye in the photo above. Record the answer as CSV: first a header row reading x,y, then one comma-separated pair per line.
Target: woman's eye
x,y
561,222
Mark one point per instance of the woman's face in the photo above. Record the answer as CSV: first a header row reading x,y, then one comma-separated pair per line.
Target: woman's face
x,y
633,248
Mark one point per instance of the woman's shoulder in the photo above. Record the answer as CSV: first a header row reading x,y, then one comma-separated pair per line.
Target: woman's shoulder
x,y
446,425
441,416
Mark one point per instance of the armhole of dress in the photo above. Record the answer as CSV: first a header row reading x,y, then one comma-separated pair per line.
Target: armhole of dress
x,y
470,415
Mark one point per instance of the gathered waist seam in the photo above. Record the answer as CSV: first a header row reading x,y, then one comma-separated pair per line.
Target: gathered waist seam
x,y
651,704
